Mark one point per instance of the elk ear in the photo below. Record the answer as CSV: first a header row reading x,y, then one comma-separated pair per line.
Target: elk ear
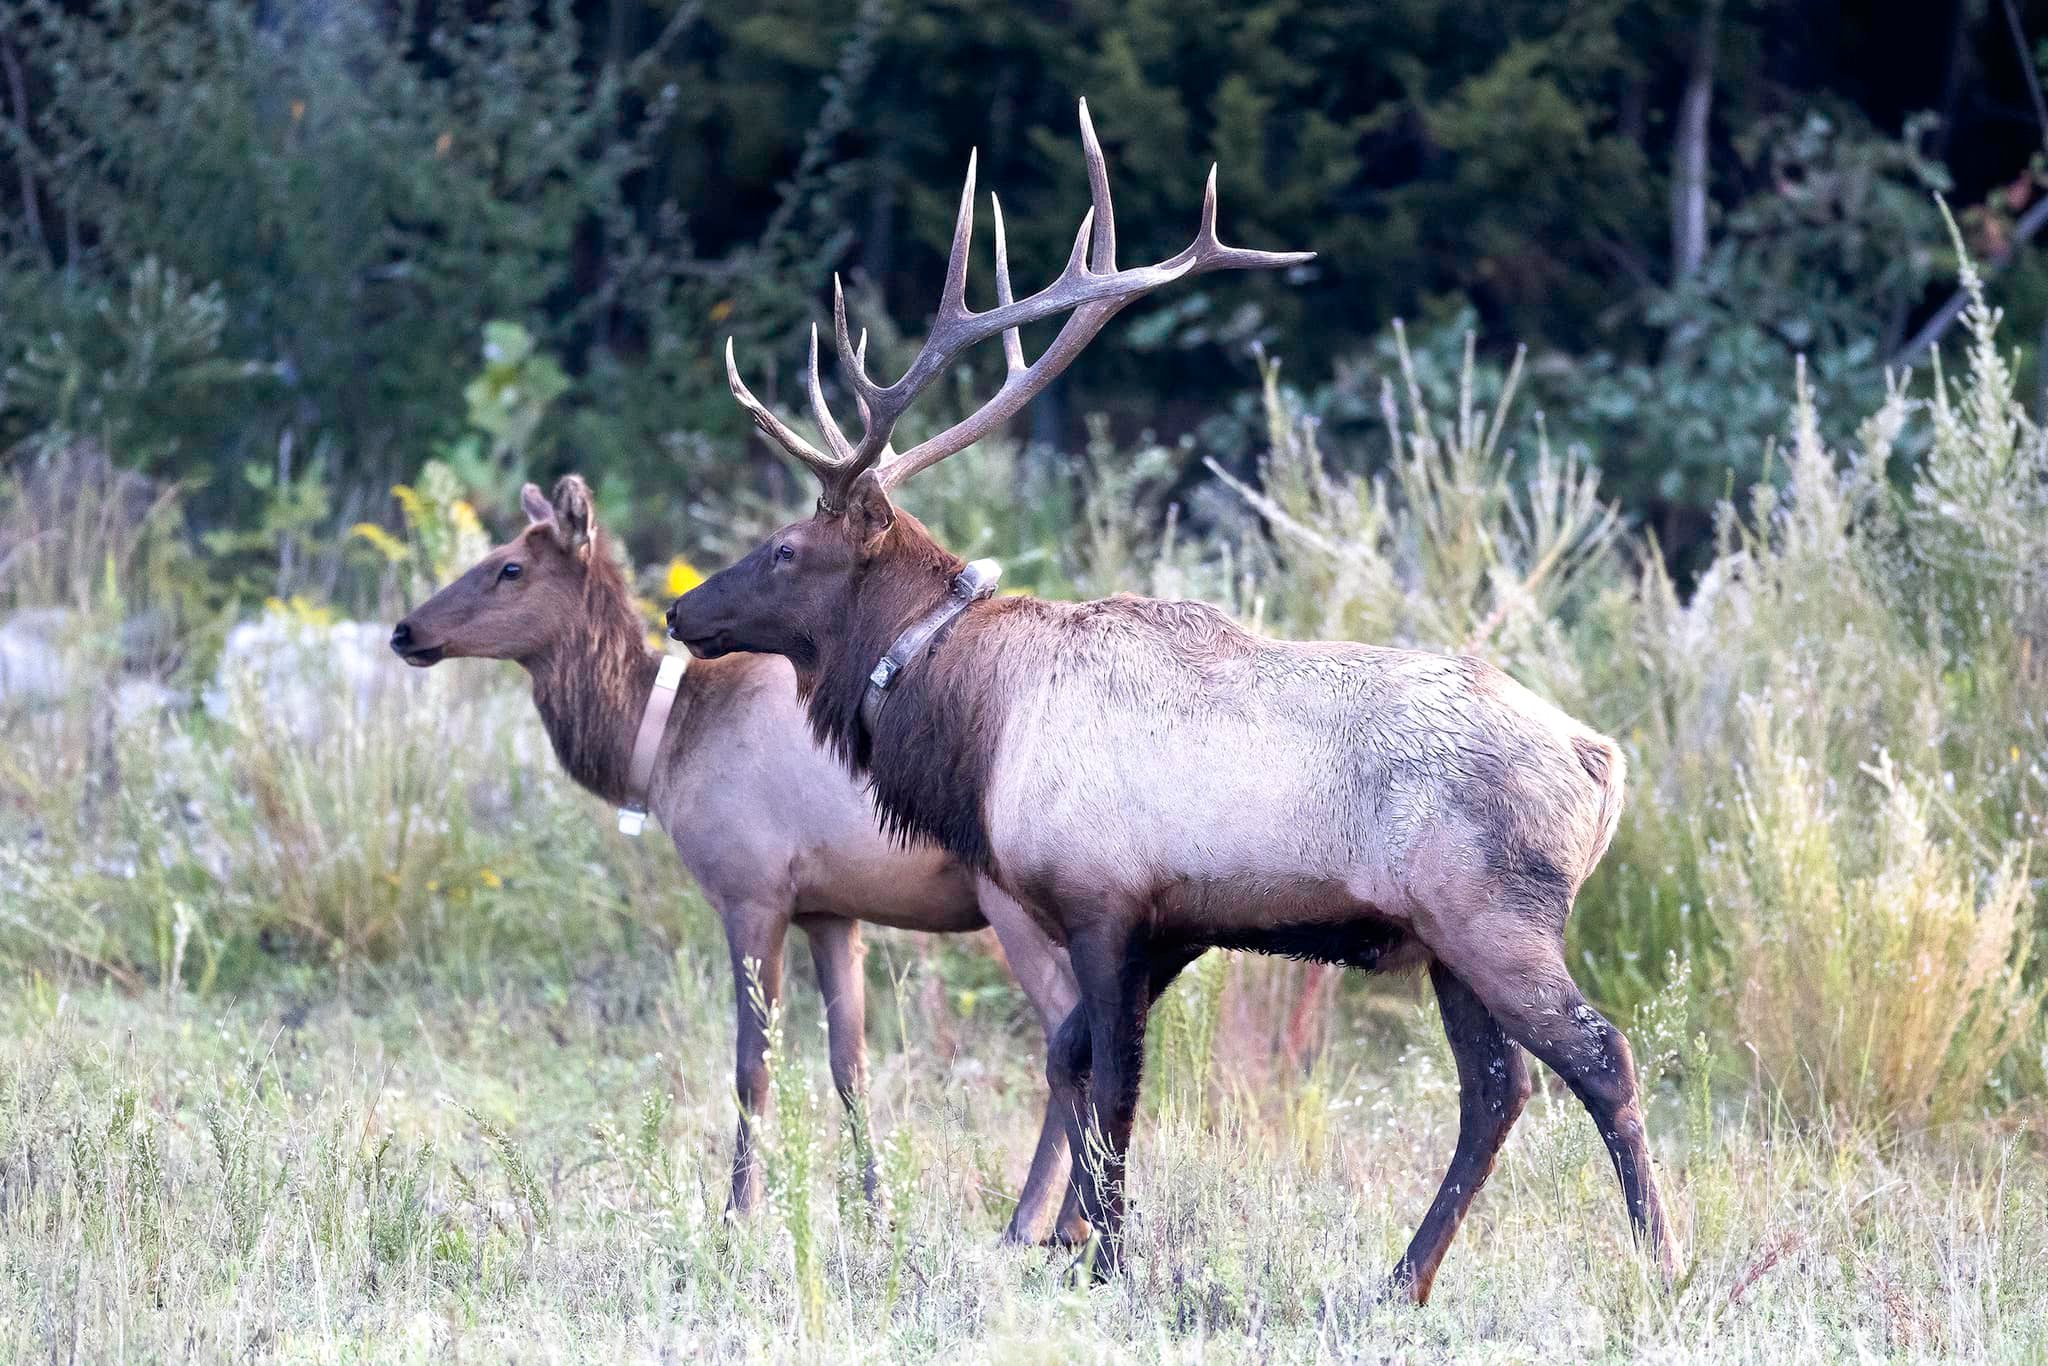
x,y
539,511
868,510
573,518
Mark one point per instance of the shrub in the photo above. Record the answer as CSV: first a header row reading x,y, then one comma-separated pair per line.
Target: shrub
x,y
1877,971
336,808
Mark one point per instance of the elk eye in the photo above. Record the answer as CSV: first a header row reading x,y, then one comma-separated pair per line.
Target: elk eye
x,y
785,552
510,571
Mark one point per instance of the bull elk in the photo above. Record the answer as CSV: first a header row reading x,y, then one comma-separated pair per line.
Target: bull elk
x,y
1151,781
773,829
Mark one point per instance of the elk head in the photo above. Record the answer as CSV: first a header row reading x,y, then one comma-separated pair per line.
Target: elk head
x,y
516,602
805,582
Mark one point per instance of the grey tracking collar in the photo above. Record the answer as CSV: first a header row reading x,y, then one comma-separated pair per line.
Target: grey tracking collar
x,y
972,584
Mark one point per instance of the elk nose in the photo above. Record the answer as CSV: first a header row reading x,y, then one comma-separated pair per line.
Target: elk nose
x,y
670,616
401,637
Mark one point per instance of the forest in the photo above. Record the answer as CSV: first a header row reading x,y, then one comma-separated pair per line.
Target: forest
x,y
1666,203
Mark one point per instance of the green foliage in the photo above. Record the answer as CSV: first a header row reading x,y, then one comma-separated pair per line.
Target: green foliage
x,y
507,403
391,192
133,371
1823,264
627,183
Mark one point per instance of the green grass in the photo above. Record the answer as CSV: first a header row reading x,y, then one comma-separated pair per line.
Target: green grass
x,y
538,1171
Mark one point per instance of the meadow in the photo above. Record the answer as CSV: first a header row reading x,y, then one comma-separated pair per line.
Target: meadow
x,y
339,1026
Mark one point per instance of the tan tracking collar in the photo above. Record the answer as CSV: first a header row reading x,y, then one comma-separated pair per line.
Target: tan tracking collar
x,y
661,699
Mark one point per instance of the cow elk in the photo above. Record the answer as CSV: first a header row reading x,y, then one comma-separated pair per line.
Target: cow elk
x,y
1151,781
774,830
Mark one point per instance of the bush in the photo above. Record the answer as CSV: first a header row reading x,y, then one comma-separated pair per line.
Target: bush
x,y
1833,744
397,183
1878,972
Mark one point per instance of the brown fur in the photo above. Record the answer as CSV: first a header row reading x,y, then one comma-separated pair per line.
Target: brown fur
x,y
1152,780
592,686
773,829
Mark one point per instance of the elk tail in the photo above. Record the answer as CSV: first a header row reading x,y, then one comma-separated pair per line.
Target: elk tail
x,y
1604,763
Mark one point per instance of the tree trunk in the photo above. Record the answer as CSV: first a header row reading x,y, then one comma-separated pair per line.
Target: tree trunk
x,y
1689,155
31,210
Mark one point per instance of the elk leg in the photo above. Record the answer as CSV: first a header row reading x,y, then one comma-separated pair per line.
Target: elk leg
x,y
1042,970
1493,1085
1525,985
1068,1066
753,934
837,952
1120,979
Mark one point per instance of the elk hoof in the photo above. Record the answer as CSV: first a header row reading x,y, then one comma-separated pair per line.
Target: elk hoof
x,y
1074,1235
1400,1287
1096,1264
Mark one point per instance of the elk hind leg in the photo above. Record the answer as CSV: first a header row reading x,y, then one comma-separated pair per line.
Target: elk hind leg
x,y
1042,969
1493,1085
1514,961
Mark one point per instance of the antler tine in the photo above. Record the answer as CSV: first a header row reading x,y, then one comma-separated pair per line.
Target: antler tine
x,y
1103,256
827,424
860,365
772,426
1090,289
851,362
1013,341
1094,291
1207,252
953,299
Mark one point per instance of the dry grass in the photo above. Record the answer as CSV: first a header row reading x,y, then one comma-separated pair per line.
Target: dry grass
x,y
537,1173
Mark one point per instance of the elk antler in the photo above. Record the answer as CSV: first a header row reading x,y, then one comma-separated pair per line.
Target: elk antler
x,y
1090,287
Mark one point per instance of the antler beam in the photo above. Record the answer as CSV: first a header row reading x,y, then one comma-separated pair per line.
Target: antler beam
x,y
1090,287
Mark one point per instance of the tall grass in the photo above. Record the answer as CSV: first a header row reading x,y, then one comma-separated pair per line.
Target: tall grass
x,y
1835,739
330,807
1878,973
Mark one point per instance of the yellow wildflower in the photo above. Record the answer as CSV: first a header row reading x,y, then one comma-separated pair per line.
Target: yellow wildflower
x,y
682,577
389,546
410,502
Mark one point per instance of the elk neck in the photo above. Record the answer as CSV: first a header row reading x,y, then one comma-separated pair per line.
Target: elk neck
x,y
930,758
591,687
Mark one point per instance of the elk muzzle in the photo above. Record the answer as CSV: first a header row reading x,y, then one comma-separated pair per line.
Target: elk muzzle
x,y
410,650
707,619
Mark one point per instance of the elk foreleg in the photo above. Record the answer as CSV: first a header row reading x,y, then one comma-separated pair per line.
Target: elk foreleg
x,y
838,953
753,935
1493,1085
1120,977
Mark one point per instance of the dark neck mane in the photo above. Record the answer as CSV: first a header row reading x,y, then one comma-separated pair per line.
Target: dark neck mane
x,y
934,744
591,686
